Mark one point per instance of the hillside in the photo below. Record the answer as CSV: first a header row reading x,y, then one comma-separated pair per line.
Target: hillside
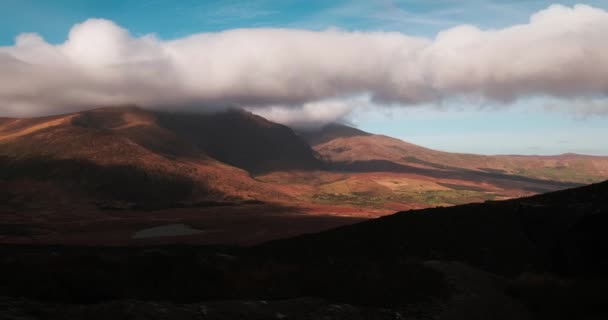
x,y
559,232
381,173
375,172
127,157
243,140
127,154
542,257
342,144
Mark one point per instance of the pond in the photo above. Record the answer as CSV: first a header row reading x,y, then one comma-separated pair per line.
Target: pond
x,y
169,230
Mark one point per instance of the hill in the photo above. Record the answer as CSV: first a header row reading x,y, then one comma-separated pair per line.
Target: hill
x,y
133,155
559,232
242,139
377,172
542,257
79,166
342,144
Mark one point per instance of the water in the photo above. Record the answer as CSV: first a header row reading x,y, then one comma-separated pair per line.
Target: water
x,y
169,230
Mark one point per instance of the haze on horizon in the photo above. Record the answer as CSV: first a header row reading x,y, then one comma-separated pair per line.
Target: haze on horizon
x,y
436,76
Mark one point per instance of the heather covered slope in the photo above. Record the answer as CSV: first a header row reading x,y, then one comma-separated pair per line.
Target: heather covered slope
x,y
83,178
126,156
342,144
121,154
382,173
234,137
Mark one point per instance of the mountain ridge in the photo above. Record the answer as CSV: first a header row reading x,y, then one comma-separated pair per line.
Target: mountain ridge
x,y
364,147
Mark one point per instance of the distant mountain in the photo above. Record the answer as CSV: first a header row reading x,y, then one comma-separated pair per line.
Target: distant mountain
x,y
342,144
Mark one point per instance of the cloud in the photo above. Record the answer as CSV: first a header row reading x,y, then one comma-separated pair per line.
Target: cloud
x,y
560,53
314,114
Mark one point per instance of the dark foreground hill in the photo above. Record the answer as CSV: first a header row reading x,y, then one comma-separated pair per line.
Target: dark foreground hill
x,y
560,232
542,257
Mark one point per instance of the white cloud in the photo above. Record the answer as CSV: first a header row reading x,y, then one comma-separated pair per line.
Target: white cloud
x,y
560,53
313,114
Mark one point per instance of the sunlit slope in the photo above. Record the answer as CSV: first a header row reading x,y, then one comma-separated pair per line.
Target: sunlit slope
x,y
336,143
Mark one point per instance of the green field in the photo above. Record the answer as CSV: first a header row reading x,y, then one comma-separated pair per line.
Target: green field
x,y
429,197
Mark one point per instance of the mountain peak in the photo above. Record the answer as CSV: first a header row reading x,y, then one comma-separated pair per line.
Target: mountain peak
x,y
242,139
115,118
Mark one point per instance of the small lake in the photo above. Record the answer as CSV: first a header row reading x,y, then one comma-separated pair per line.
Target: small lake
x,y
169,230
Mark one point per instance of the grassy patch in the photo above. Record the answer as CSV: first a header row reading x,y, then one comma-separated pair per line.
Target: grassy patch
x,y
353,199
570,174
461,187
428,197
444,197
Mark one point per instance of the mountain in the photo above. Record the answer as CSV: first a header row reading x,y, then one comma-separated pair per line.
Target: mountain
x,y
127,157
384,174
133,155
242,139
342,144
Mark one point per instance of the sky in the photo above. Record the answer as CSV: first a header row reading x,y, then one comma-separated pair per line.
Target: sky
x,y
479,76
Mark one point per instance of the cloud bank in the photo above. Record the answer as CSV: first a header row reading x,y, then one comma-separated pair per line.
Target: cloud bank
x,y
314,114
294,75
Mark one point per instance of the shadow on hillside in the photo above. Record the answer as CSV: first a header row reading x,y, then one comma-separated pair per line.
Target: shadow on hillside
x,y
243,140
140,188
494,178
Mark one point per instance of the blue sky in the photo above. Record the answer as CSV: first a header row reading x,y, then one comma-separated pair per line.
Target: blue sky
x,y
171,19
526,127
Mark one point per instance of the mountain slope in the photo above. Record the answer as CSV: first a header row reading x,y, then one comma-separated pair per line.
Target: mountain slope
x,y
131,155
341,144
243,140
127,153
384,174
